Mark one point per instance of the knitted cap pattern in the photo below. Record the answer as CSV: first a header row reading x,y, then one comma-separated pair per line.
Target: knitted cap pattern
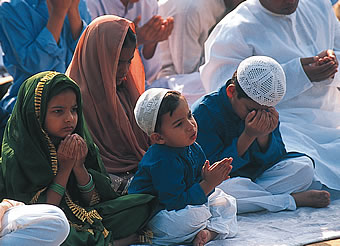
x,y
147,107
262,79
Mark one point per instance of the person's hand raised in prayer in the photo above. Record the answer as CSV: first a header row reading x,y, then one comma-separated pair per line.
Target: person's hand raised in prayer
x,y
67,153
80,152
213,175
155,30
320,67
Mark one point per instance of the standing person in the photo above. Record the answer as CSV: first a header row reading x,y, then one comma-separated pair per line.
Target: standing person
x,y
304,37
183,52
109,72
43,38
239,120
48,156
30,225
176,171
150,27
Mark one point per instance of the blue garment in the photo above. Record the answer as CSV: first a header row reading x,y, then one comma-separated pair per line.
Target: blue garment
x,y
219,128
29,46
334,1
171,174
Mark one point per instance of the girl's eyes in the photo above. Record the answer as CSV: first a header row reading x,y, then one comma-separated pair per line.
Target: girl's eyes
x,y
57,111
75,109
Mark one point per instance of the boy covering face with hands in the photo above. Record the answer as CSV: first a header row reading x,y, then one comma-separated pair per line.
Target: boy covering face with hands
x,y
239,120
175,170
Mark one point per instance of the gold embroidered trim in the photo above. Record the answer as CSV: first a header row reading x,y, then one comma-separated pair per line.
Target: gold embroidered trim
x,y
80,212
94,198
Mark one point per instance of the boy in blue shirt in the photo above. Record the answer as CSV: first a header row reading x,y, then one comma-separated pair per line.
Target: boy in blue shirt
x,y
240,121
176,171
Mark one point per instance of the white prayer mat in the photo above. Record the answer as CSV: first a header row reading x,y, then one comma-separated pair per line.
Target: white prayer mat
x,y
287,228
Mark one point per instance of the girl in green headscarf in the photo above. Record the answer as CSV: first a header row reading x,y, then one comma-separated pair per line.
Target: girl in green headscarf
x,y
48,156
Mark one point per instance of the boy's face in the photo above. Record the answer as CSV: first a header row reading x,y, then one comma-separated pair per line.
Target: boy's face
x,y
242,106
62,116
179,129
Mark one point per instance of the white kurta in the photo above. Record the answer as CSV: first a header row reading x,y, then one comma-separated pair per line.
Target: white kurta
x,y
309,112
30,225
183,52
144,8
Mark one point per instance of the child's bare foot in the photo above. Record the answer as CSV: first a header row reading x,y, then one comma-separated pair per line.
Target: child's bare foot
x,y
312,198
203,237
132,239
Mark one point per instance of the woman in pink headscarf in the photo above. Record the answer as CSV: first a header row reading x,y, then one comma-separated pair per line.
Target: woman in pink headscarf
x,y
110,74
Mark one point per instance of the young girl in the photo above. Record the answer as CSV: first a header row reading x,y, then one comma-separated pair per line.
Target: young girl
x,y
49,157
175,169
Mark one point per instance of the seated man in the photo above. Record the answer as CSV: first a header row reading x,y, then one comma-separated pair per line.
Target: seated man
x,y
239,120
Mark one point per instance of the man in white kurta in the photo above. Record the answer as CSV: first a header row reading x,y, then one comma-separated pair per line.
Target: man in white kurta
x,y
310,110
183,53
146,9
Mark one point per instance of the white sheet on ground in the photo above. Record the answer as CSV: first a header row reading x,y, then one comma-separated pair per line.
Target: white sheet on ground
x,y
287,228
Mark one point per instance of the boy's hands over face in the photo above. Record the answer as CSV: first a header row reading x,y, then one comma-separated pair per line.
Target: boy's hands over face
x,y
261,122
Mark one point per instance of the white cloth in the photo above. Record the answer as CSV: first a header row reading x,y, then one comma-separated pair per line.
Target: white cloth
x,y
183,52
303,226
189,85
143,8
309,112
39,224
271,191
147,107
181,226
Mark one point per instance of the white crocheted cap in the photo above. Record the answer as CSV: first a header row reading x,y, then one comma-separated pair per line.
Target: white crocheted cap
x,y
262,79
147,107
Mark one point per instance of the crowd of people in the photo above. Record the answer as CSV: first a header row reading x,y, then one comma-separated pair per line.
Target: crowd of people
x,y
145,121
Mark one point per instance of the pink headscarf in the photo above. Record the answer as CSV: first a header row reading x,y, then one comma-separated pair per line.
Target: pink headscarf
x,y
108,111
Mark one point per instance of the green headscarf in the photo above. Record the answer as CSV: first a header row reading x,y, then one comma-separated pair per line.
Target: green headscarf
x,y
28,155
29,164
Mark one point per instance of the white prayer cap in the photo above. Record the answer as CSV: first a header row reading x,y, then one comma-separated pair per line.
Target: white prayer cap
x,y
147,107
262,79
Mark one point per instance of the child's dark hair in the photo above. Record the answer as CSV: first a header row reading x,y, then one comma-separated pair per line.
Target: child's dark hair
x,y
169,104
130,40
239,90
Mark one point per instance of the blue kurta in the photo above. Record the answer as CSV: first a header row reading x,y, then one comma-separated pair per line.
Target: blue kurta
x,y
29,46
171,174
219,128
